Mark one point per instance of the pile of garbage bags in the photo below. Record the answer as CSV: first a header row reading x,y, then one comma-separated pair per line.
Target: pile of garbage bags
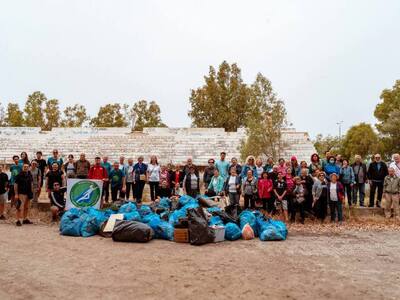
x,y
204,220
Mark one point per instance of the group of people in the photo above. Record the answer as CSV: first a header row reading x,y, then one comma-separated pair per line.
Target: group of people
x,y
284,188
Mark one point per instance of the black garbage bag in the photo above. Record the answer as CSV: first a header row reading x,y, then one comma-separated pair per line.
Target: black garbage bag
x,y
225,217
132,231
199,232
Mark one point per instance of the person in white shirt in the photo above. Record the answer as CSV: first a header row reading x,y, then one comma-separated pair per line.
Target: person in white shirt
x,y
153,174
130,179
396,164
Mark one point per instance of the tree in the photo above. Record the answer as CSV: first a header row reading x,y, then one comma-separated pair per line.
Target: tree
x,y
360,139
14,116
34,116
74,116
52,114
269,117
387,113
223,101
109,115
329,143
147,115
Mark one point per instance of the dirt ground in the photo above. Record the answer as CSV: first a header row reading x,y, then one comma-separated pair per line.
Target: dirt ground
x,y
37,263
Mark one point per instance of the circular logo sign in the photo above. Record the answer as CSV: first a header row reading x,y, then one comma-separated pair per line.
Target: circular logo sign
x,y
85,193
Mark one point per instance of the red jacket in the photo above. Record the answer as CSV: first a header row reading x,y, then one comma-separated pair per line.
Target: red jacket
x,y
98,172
265,187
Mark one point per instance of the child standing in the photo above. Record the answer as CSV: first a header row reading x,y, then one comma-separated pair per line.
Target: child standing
x,y
265,187
280,191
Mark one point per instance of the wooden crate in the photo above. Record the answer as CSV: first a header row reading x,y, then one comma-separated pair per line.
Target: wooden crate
x,y
181,235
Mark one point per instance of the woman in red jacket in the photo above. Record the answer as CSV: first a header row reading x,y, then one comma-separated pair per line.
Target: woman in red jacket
x,y
265,187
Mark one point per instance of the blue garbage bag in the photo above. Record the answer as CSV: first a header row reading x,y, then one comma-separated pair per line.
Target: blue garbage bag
x,y
132,216
71,223
216,220
213,209
98,214
185,199
89,226
181,213
250,218
162,229
144,210
108,212
165,203
127,208
149,217
272,230
232,232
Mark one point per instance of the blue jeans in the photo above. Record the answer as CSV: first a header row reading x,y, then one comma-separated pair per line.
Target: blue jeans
x,y
336,206
359,188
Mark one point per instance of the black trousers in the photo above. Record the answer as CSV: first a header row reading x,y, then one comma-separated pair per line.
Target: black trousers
x,y
249,201
347,190
106,190
301,207
154,189
375,185
130,186
139,186
115,190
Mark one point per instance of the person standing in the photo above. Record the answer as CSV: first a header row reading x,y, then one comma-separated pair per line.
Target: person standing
x,y
23,194
52,176
331,167
106,185
153,175
191,183
307,181
54,159
165,183
391,189
315,164
360,178
189,164
70,167
216,186
36,181
335,198
177,177
282,168
232,189
396,164
346,177
222,165
235,164
377,171
97,171
41,164
299,199
3,191
82,167
269,165
15,169
140,169
264,188
295,167
117,182
250,165
280,191
208,173
249,189
320,197
130,179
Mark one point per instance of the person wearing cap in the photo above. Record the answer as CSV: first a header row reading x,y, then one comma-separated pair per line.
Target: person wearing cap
x,y
222,165
191,183
335,195
377,171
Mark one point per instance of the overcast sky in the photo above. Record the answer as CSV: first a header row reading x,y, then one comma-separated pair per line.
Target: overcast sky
x,y
328,60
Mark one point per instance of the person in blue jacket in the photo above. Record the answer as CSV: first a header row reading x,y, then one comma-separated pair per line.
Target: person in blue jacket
x,y
331,167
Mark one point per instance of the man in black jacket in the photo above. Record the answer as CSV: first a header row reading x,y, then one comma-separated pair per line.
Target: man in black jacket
x,y
377,171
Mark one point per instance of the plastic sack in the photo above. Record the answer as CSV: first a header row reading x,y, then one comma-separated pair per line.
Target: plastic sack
x,y
178,214
199,232
71,223
232,232
185,199
132,216
216,220
89,226
149,217
225,217
132,231
248,217
144,210
247,232
99,215
162,230
272,230
165,203
127,208
213,209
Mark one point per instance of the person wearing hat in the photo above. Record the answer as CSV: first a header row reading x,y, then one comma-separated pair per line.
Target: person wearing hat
x,y
335,195
191,182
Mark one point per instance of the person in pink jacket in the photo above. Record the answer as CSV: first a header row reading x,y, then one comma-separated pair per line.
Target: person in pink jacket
x,y
265,187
